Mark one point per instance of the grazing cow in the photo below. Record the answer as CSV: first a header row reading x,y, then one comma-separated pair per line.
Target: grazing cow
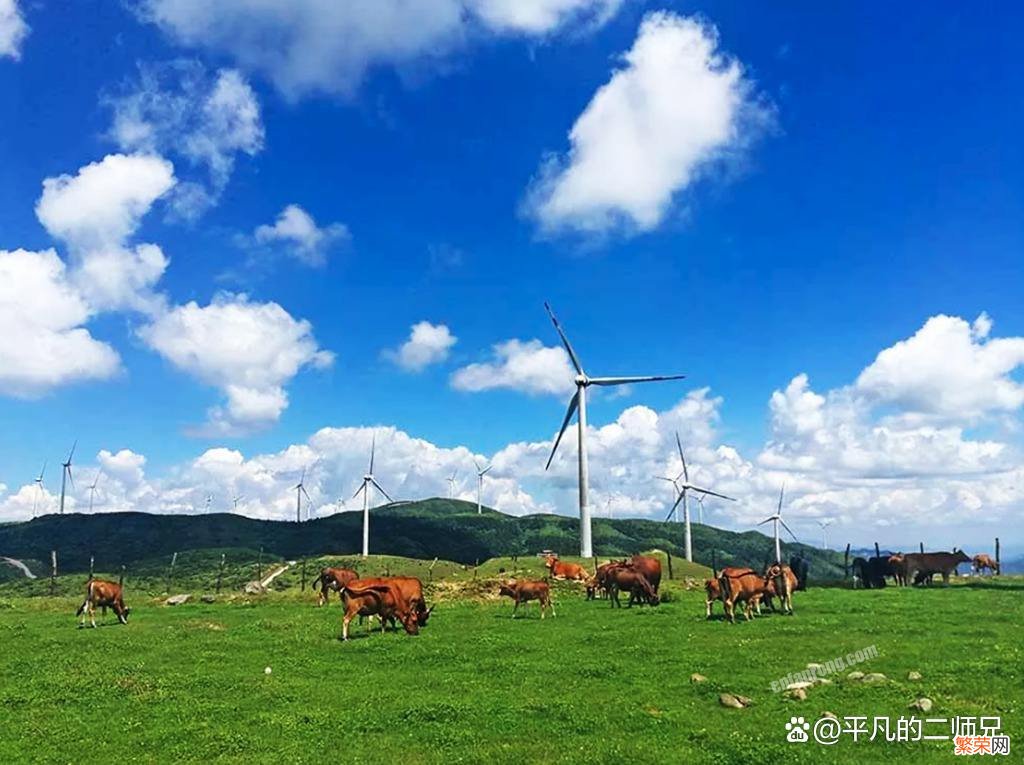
x,y
871,572
382,600
527,590
99,592
784,582
559,570
632,581
411,590
920,566
650,568
599,582
981,562
740,585
801,568
896,568
714,592
331,579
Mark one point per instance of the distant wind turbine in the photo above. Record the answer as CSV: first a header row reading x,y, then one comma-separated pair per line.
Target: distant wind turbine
x,y
369,483
824,534
92,487
579,402
209,501
300,490
235,501
39,489
480,473
683,489
65,475
776,520
451,484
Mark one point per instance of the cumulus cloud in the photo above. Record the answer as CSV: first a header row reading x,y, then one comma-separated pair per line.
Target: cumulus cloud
x,y
298,236
94,213
675,107
427,344
321,46
206,119
13,29
248,350
528,366
43,343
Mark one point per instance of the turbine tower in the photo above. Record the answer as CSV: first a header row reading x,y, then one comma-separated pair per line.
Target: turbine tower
x,y
579,402
776,520
235,501
683,490
824,534
369,483
65,475
451,484
480,472
209,501
300,489
39,489
92,488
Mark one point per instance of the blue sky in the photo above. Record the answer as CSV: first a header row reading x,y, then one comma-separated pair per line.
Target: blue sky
x,y
879,186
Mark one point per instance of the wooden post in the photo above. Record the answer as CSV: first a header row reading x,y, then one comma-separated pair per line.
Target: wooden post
x,y
303,574
878,554
846,562
921,544
120,580
430,571
53,572
998,567
669,564
92,561
170,572
259,567
220,573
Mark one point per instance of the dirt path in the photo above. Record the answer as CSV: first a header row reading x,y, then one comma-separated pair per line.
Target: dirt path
x,y
268,579
19,565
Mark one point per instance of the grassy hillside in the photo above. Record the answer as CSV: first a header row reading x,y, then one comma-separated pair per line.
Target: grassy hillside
x,y
450,530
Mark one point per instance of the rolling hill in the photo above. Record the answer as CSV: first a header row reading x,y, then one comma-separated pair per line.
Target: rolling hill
x,y
447,529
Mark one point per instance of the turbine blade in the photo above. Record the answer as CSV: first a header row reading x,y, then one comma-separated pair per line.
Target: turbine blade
x,y
789,530
306,493
71,477
41,472
476,465
303,478
362,487
486,469
573,403
373,451
628,380
381,490
712,493
783,489
674,506
762,523
565,340
72,452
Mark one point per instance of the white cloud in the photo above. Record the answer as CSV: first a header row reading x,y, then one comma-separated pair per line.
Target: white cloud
x,y
949,369
43,344
675,107
427,344
13,29
94,213
527,366
322,46
297,234
248,350
182,110
125,466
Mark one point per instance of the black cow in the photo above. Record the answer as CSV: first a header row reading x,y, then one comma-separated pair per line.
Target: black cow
x,y
801,567
871,572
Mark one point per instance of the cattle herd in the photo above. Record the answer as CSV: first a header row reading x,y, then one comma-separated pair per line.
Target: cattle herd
x,y
399,599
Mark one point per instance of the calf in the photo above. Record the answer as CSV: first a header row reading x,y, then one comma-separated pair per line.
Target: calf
x,y
527,590
981,562
714,592
740,586
382,600
331,579
784,583
559,570
99,592
633,581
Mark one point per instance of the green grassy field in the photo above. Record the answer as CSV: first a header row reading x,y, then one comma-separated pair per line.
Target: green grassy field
x,y
593,685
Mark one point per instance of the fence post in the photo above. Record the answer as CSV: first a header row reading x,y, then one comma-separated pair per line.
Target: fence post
x,y
921,544
878,553
120,580
53,572
259,566
846,562
220,572
670,576
170,572
998,567
303,574
430,571
92,561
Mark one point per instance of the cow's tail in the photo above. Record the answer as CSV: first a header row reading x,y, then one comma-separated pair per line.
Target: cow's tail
x,y
316,581
85,603
725,587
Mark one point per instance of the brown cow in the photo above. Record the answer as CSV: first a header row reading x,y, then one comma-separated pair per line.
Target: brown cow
x,y
331,579
649,567
599,582
633,581
714,592
559,570
99,592
527,590
740,586
411,590
897,569
784,583
921,566
982,561
382,600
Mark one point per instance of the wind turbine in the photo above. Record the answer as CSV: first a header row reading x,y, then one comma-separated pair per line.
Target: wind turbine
x,y
451,484
824,534
300,489
39,489
480,472
65,475
684,488
369,482
92,487
777,519
235,501
579,401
